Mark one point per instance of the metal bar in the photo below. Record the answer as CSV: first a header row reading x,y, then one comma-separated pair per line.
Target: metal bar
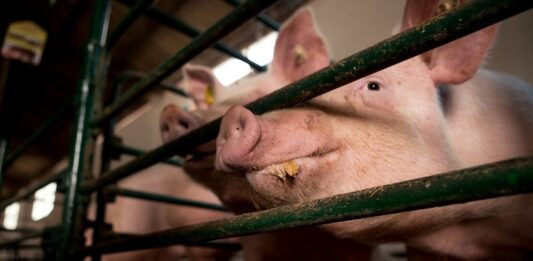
x,y
18,230
20,247
93,63
4,144
11,157
212,244
137,10
197,45
441,30
27,192
116,87
493,180
138,153
164,198
269,22
20,239
170,21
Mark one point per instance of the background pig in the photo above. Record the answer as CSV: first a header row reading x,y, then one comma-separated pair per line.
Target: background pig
x,y
427,115
294,57
134,216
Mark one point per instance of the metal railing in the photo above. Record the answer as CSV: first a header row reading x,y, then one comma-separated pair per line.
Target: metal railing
x,y
499,179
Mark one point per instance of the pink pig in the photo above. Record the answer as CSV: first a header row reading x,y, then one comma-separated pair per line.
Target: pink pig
x,y
430,114
295,56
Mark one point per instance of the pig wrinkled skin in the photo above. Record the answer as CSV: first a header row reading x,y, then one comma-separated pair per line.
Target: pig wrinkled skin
x,y
430,114
297,35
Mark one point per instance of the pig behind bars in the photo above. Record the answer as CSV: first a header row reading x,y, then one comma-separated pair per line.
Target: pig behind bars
x,y
294,57
135,216
430,114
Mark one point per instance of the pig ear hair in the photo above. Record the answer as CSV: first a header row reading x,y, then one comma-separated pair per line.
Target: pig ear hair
x,y
201,85
300,49
455,62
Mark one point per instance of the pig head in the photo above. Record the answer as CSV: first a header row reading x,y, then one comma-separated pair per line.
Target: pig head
x,y
298,52
295,56
430,114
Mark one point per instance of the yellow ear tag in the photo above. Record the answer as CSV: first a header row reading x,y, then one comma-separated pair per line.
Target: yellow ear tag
x,y
209,95
300,54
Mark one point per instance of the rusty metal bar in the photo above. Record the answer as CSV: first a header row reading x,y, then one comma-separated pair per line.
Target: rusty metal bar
x,y
493,180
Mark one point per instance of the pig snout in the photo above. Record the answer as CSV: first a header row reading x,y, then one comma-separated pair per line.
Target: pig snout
x,y
175,122
239,134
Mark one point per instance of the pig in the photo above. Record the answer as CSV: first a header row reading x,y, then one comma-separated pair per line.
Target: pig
x,y
294,58
134,216
433,113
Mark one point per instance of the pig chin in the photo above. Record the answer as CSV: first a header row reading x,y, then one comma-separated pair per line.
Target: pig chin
x,y
276,185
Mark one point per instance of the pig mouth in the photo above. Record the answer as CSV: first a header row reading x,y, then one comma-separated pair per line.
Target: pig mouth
x,y
201,152
290,168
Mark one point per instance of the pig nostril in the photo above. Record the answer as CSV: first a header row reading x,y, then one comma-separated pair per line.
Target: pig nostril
x,y
183,123
165,128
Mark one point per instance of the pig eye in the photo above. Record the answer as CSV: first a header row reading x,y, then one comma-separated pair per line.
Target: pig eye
x,y
373,86
165,127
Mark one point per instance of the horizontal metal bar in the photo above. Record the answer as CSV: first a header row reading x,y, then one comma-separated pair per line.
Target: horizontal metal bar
x,y
136,11
18,240
134,75
23,247
212,244
27,192
269,22
11,157
170,21
493,180
441,30
17,230
137,153
164,198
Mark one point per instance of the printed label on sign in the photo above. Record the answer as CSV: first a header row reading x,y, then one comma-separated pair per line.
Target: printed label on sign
x,y
24,41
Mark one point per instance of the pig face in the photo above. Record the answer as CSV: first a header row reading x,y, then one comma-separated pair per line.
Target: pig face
x,y
387,127
298,52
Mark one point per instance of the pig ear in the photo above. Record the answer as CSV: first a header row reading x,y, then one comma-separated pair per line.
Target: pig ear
x,y
455,62
201,85
299,50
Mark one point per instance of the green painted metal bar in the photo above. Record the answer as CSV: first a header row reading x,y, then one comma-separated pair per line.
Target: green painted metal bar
x,y
22,247
212,244
18,240
269,22
493,180
137,10
118,84
29,191
165,199
11,157
177,161
92,66
197,45
170,21
4,144
17,230
441,30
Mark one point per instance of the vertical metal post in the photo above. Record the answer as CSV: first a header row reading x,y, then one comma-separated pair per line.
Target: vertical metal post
x,y
4,69
74,209
3,156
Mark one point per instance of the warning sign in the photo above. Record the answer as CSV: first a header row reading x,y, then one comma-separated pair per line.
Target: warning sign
x,y
24,41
